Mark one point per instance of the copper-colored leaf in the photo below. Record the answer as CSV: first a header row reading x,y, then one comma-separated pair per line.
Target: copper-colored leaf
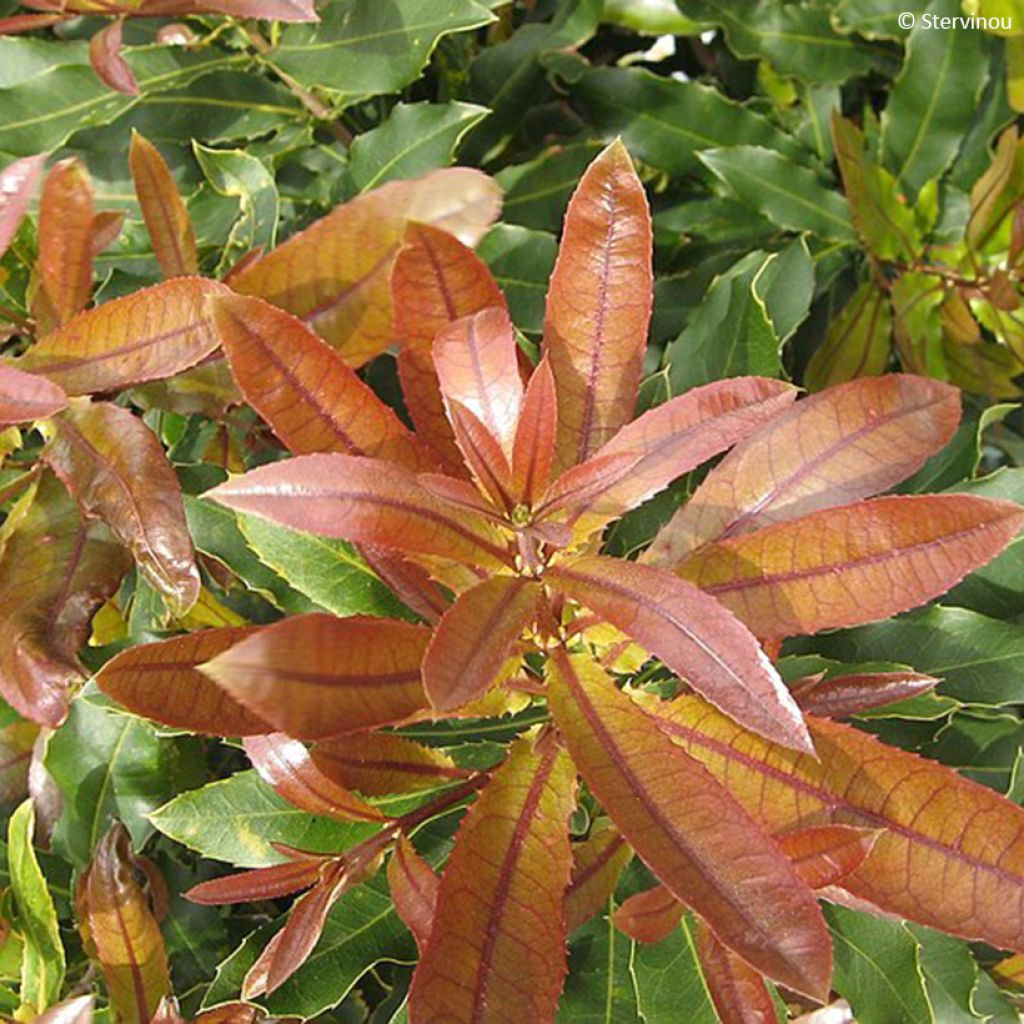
x,y
316,676
16,743
312,400
65,242
115,468
597,863
482,453
335,275
825,854
56,570
737,991
107,61
153,333
700,843
533,450
422,394
18,182
950,854
163,210
839,446
363,500
839,696
475,359
473,641
409,581
414,889
378,763
854,564
73,1011
258,884
668,441
599,305
1009,973
106,226
25,397
271,10
285,765
120,932
497,948
693,635
161,681
649,916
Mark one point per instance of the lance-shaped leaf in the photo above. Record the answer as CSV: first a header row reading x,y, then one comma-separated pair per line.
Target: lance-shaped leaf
x,y
435,281
363,500
497,947
855,564
414,888
378,763
55,572
474,639
597,863
317,676
258,884
649,916
599,305
700,843
285,765
824,855
115,468
476,364
18,182
850,442
950,854
312,400
693,635
335,275
668,441
533,449
108,62
25,397
65,243
120,932
736,989
482,453
163,210
153,333
161,682
842,695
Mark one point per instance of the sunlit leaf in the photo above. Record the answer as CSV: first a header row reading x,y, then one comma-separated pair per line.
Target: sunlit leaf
x,y
25,396
18,182
737,990
649,916
414,888
597,863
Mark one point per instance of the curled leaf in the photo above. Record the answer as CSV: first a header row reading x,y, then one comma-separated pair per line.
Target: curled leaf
x,y
107,62
25,396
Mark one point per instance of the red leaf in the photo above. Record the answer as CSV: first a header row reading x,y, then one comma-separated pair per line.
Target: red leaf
x,y
533,450
316,676
422,394
115,468
269,10
163,210
366,501
597,863
414,888
18,182
153,333
855,564
699,842
737,991
25,397
257,885
482,453
409,581
839,696
161,681
474,640
107,62
824,855
834,448
599,305
649,916
106,226
693,635
475,359
286,765
497,948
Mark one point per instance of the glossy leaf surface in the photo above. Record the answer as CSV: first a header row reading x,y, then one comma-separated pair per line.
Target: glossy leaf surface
x,y
18,181
737,990
414,888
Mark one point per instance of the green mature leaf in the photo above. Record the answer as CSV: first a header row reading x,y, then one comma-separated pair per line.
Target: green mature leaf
x,y
362,930
857,342
980,660
668,976
366,49
521,261
600,987
327,571
43,962
876,968
874,19
934,98
666,123
787,194
237,819
537,192
109,765
416,138
951,975
649,17
797,39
